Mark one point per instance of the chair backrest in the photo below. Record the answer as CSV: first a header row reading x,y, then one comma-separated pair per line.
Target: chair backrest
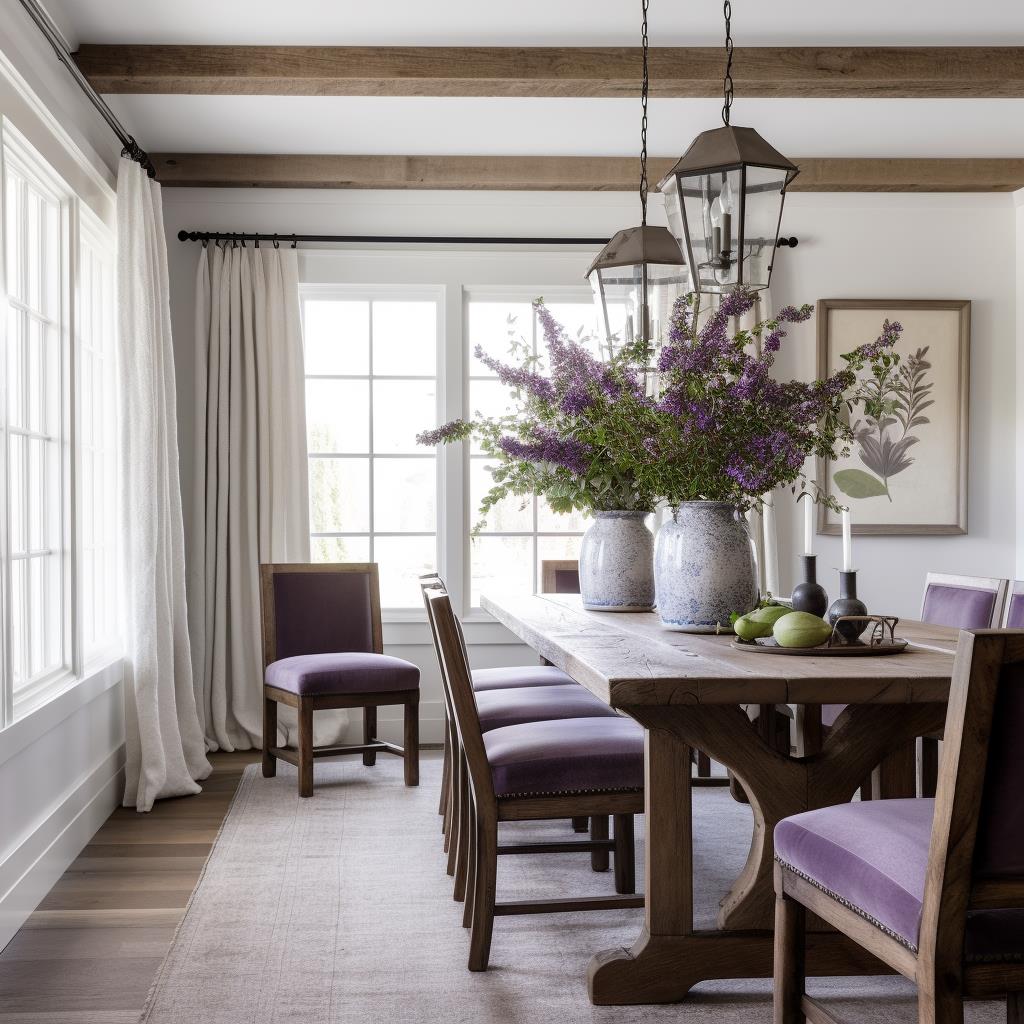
x,y
431,583
451,647
963,602
320,608
976,856
559,576
1013,618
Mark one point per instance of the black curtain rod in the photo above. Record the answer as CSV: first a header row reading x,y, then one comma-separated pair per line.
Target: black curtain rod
x,y
45,24
245,236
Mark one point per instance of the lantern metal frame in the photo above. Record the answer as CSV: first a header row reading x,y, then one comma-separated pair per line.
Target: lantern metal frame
x,y
643,246
723,151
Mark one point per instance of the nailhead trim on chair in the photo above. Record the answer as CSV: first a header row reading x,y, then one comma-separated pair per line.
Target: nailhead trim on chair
x,y
849,906
562,792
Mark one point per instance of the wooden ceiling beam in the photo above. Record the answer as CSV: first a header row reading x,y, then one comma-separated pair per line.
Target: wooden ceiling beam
x,y
559,173
851,72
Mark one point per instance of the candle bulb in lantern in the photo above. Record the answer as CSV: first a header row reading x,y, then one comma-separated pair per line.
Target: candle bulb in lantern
x,y
808,525
847,542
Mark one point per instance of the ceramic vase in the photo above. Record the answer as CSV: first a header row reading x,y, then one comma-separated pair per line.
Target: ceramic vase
x,y
616,563
809,595
848,604
704,567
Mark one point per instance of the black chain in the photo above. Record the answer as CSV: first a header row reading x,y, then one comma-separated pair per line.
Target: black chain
x,y
727,84
643,121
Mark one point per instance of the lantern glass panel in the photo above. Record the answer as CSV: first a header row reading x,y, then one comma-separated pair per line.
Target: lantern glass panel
x,y
635,301
762,212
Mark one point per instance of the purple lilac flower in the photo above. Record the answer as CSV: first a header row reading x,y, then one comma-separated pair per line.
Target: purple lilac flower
x,y
454,431
891,331
569,453
576,400
517,377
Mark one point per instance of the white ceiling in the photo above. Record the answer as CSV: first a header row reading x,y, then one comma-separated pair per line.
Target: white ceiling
x,y
564,127
424,125
541,22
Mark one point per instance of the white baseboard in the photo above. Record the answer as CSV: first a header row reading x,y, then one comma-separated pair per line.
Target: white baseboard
x,y
32,869
390,726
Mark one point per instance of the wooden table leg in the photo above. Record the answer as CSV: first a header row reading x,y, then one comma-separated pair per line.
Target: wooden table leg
x,y
896,776
669,957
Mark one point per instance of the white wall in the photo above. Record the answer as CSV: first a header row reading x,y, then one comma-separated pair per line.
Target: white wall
x,y
1018,200
903,246
917,247
60,767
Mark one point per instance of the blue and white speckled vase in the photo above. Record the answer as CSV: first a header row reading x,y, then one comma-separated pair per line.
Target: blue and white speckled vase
x,y
704,567
617,563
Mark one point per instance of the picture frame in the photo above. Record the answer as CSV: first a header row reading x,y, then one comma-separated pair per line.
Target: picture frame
x,y
906,475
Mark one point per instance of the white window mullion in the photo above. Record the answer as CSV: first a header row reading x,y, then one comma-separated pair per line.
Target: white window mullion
x,y
452,562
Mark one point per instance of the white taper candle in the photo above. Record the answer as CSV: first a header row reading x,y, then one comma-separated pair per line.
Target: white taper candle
x,y
847,542
808,524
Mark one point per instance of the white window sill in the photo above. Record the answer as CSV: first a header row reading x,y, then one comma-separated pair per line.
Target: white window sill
x,y
60,704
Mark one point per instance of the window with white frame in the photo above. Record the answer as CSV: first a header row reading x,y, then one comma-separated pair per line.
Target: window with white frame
x,y
371,359
387,360
58,460
519,534
35,424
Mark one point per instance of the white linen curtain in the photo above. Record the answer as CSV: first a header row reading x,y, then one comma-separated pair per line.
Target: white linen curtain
x,y
164,740
251,500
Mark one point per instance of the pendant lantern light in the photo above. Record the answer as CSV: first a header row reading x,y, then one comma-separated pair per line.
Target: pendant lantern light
x,y
638,275
724,200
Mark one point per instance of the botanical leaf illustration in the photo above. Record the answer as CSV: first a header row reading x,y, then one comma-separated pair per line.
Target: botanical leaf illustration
x,y
858,484
898,395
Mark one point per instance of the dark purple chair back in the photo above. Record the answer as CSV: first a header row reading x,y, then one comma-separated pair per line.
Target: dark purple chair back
x,y
322,609
959,607
1015,607
567,581
999,848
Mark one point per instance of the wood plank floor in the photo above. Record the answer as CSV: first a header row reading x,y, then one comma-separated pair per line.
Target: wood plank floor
x,y
89,953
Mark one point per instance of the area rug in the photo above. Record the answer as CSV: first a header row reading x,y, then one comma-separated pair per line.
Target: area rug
x,y
338,909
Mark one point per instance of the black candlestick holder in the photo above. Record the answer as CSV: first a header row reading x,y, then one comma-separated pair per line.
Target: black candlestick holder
x,y
809,595
848,604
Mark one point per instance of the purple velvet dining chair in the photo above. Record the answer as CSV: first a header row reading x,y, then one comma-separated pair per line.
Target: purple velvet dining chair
x,y
1013,616
963,602
323,648
933,888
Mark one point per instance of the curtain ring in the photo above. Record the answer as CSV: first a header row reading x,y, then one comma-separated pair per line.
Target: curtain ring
x,y
206,242
277,244
295,242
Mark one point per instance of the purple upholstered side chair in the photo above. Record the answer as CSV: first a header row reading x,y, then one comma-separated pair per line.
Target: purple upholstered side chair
x,y
963,602
1013,616
323,648
933,888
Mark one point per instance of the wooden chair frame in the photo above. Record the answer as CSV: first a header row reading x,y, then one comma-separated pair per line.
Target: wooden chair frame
x,y
928,746
938,968
303,757
454,804
483,809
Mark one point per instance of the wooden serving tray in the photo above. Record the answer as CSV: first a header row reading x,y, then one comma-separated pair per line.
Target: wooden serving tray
x,y
769,645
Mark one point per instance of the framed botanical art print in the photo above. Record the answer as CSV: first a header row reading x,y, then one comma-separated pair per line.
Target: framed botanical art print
x,y
907,470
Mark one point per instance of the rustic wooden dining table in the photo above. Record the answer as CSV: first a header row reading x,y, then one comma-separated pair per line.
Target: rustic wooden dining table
x,y
688,692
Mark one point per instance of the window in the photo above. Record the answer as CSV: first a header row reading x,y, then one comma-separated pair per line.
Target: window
x,y
506,553
58,457
371,386
98,456
35,219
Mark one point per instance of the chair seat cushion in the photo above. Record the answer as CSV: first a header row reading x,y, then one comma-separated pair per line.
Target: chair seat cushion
x,y
500,708
872,858
576,755
321,675
519,676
